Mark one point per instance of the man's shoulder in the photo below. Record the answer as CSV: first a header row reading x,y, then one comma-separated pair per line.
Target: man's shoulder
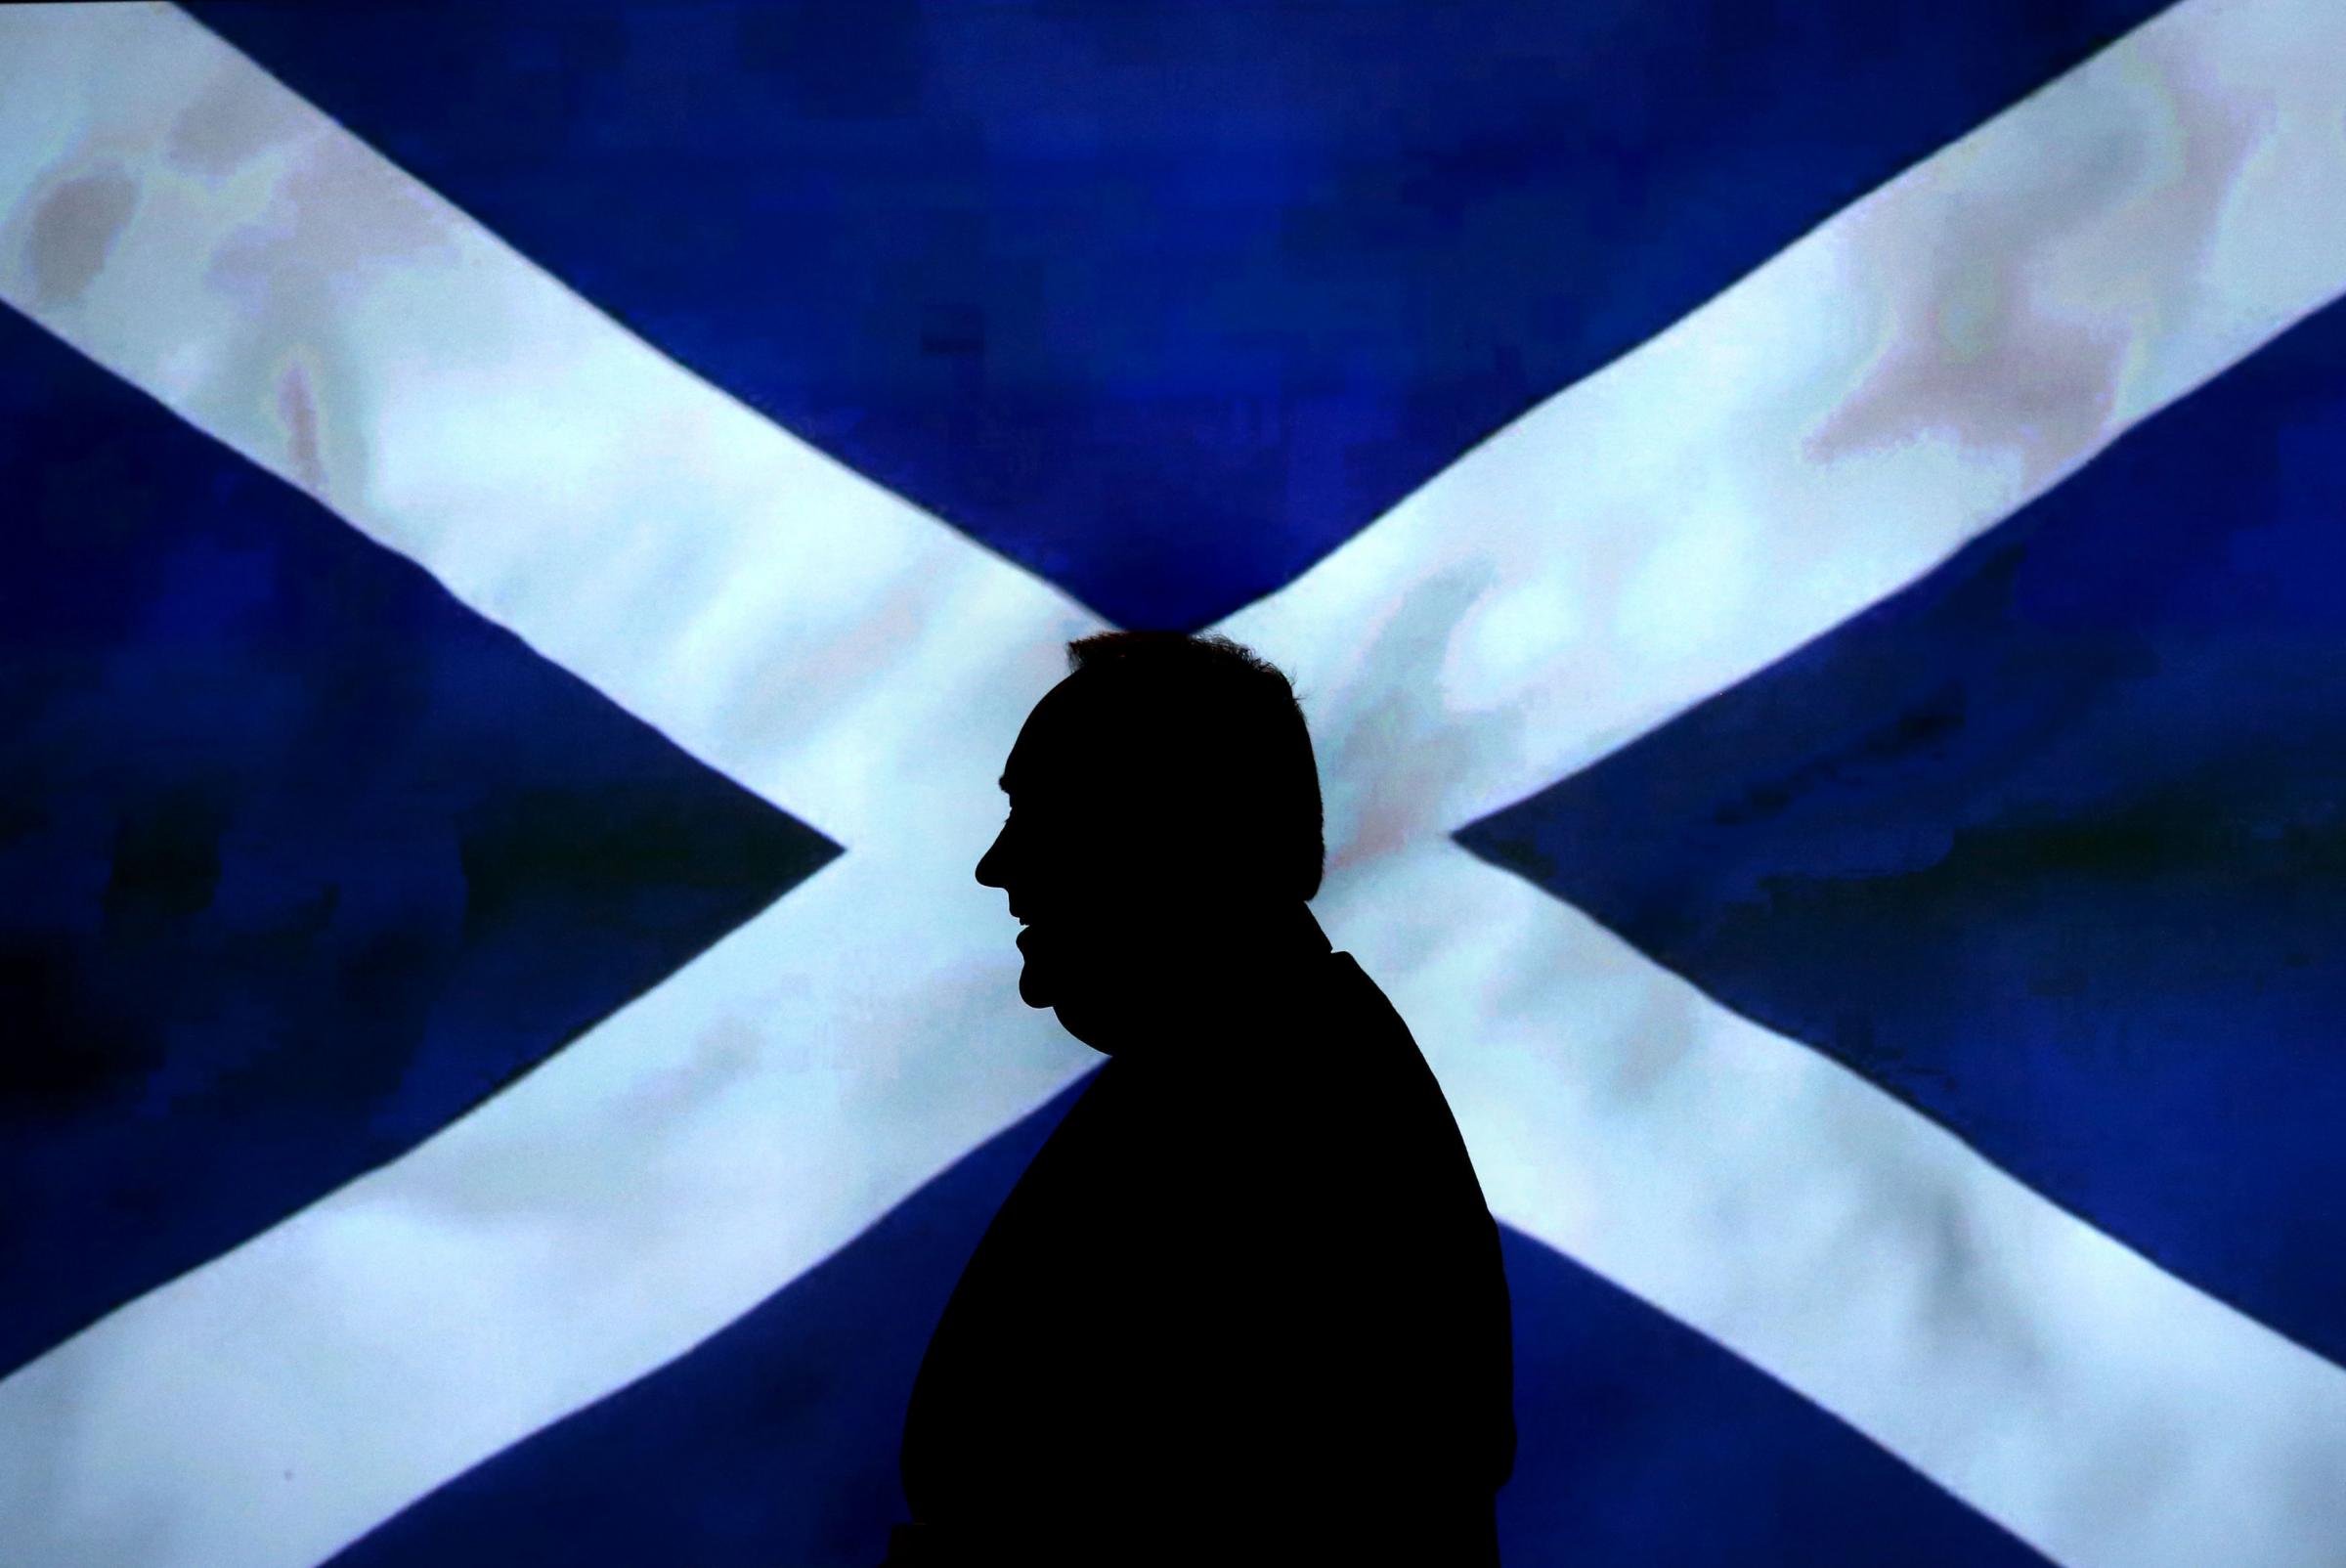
x,y
1353,1031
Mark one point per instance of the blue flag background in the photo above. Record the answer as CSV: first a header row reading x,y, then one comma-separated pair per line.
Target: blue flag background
x,y
302,858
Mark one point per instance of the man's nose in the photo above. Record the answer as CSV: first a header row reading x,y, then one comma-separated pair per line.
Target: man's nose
x,y
989,864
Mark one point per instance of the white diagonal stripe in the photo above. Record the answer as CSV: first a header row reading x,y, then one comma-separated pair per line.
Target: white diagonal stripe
x,y
794,625
1824,432
403,443
1821,434
710,1142
2100,1409
1837,424
286,289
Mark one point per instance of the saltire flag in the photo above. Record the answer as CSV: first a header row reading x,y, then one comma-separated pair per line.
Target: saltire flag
x,y
1810,540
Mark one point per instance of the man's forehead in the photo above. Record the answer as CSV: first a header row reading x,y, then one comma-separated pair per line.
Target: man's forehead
x,y
1070,731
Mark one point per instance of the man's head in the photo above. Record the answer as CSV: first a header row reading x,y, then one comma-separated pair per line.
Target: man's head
x,y
1164,792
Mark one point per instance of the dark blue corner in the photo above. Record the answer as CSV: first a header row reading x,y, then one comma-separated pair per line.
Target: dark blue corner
x,y
2053,844
299,859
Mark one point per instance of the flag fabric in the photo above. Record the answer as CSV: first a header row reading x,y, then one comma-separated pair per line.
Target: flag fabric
x,y
1808,541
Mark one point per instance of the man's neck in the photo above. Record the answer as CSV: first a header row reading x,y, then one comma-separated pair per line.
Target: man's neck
x,y
1213,973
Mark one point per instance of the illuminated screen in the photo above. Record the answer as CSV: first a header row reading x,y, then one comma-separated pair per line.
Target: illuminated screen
x,y
1809,541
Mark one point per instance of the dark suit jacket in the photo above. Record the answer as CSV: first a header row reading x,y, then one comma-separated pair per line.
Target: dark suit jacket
x,y
1245,1305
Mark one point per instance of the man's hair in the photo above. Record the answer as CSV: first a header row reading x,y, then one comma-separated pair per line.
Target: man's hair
x,y
1205,699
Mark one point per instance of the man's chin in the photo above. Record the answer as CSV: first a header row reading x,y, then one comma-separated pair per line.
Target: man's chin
x,y
1073,1011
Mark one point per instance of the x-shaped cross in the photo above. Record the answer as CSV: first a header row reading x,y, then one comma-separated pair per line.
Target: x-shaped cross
x,y
1800,446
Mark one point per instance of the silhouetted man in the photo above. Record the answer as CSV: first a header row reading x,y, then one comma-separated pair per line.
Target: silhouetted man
x,y
1245,1305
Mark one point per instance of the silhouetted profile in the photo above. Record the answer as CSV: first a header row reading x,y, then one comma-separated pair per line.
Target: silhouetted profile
x,y
1246,1304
